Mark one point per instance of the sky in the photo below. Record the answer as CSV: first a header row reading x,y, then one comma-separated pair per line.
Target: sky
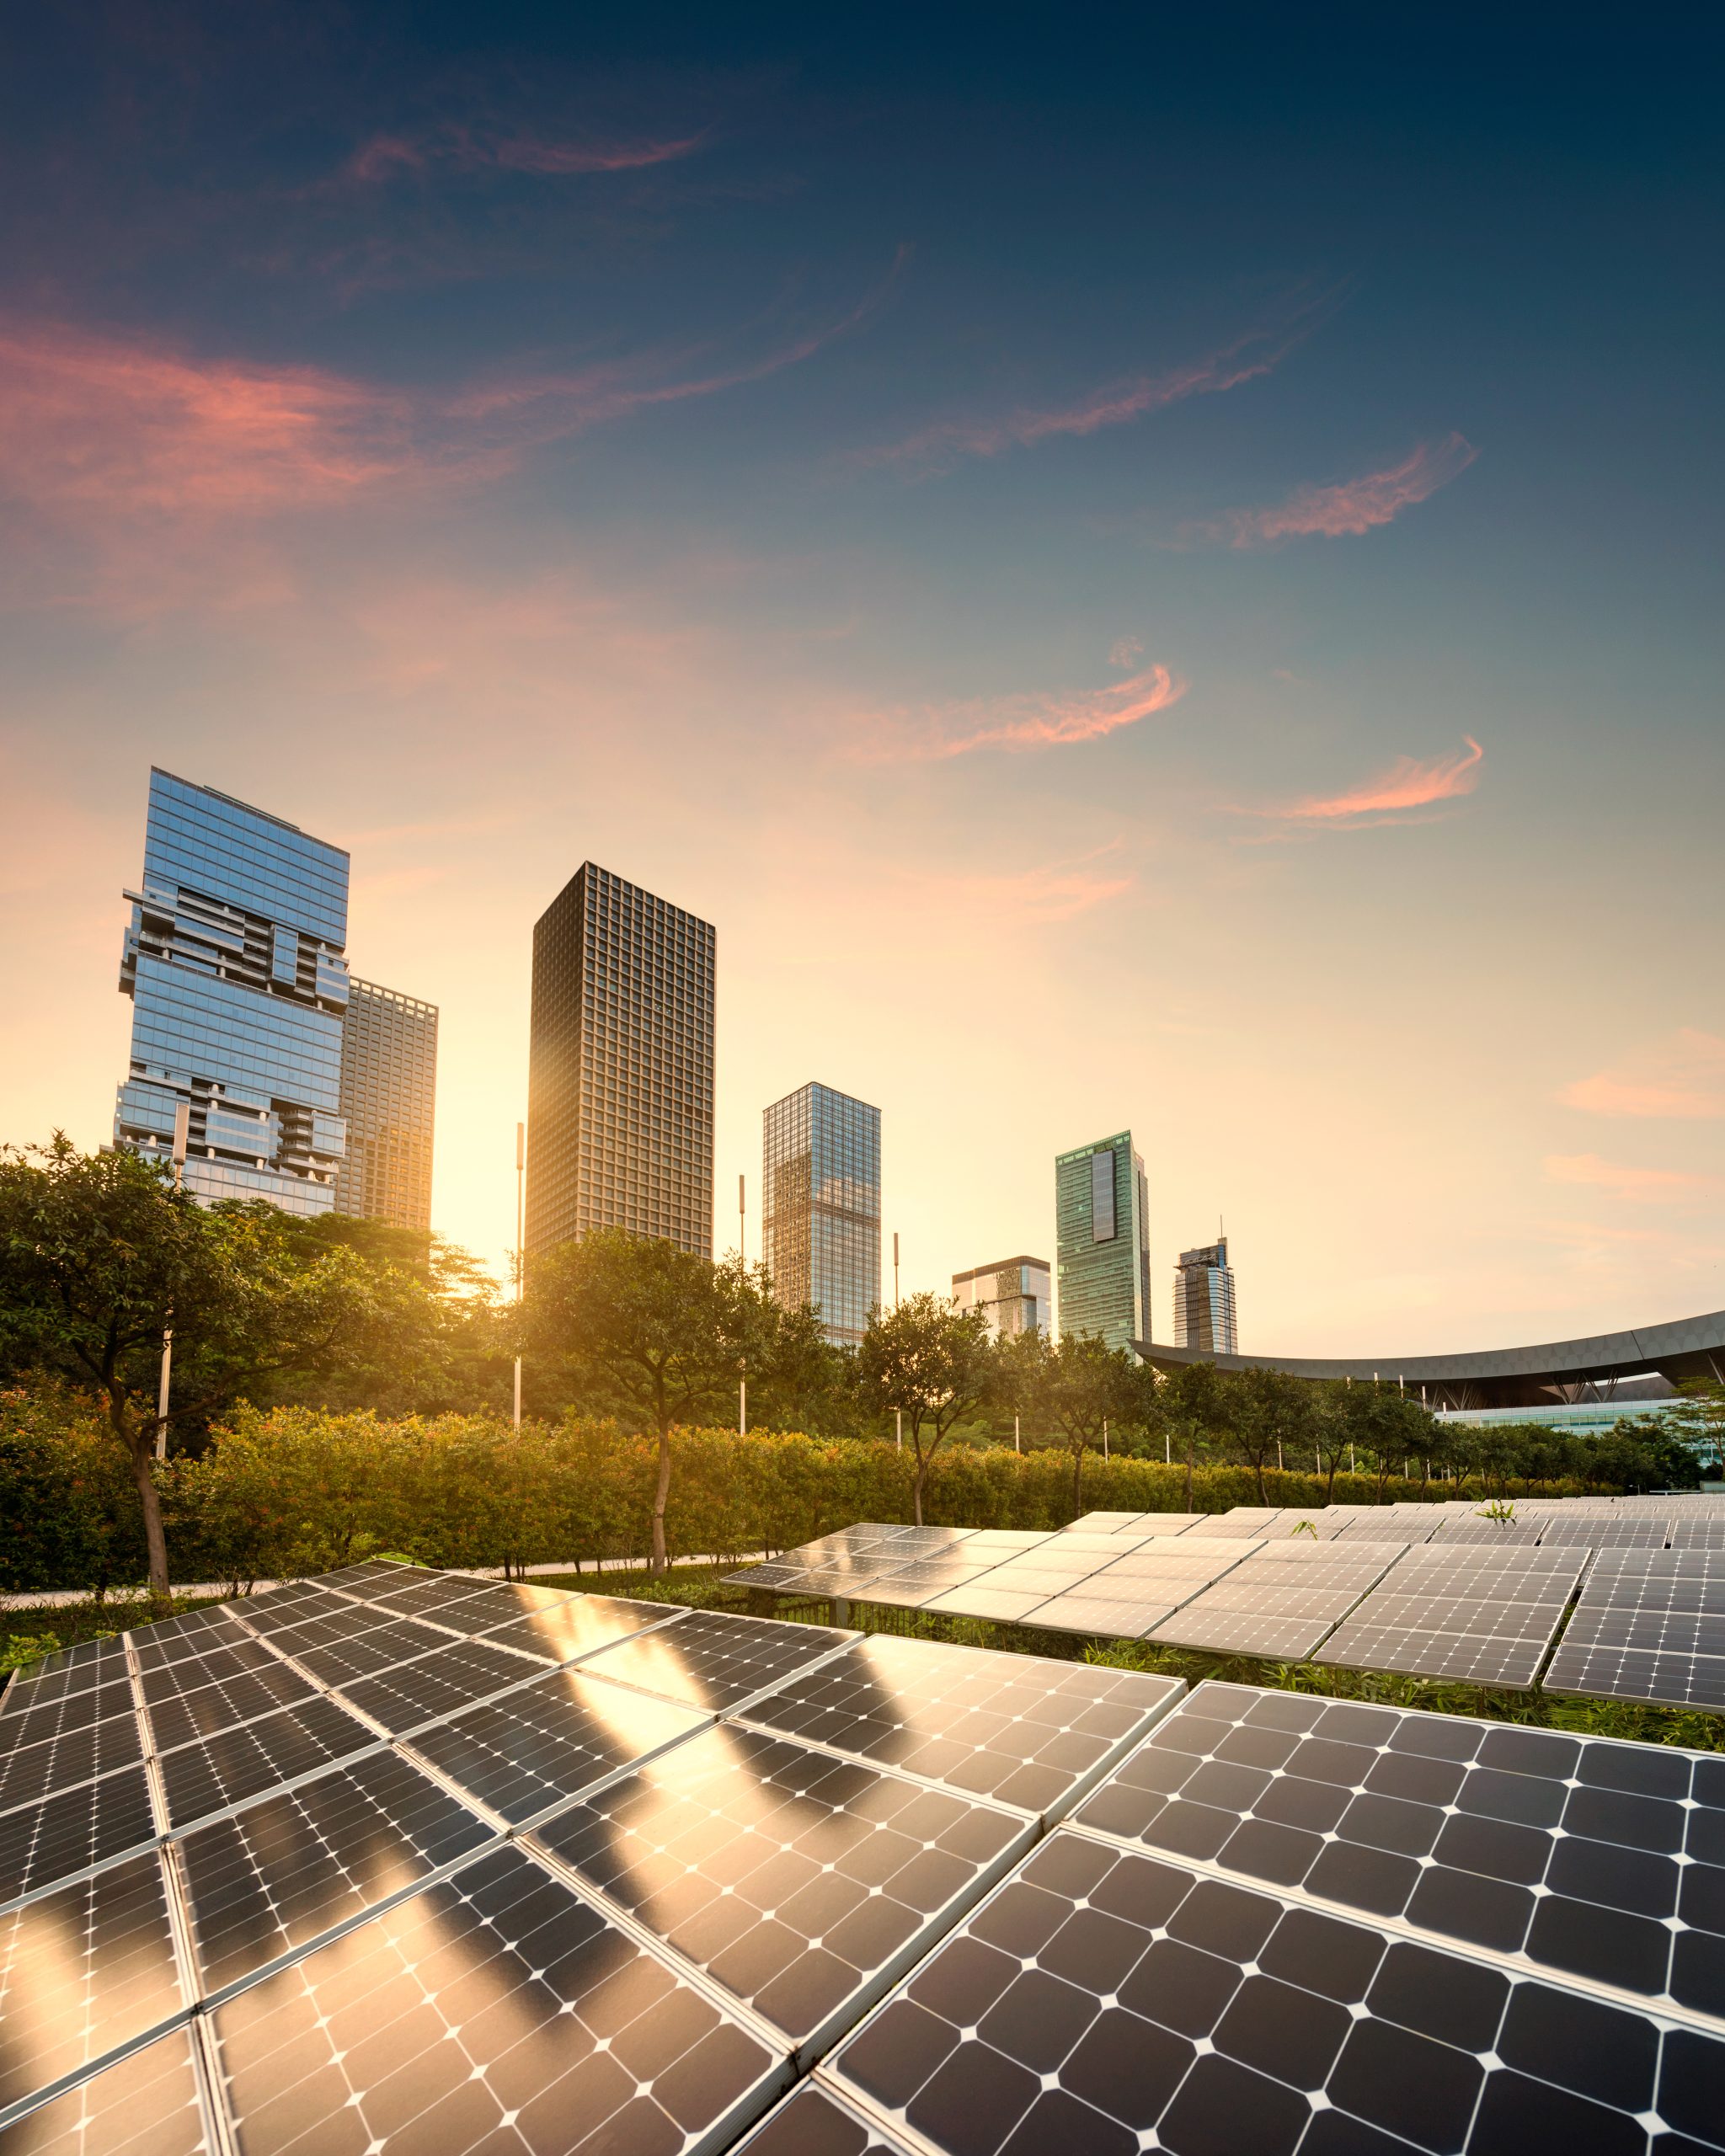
x,y
1144,573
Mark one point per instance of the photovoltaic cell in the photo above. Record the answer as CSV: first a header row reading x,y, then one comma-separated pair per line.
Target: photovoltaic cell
x,y
800,1882
498,2012
145,2105
1594,1860
69,1669
84,1971
1279,1602
281,1874
1105,2002
554,1739
364,1653
715,1661
1472,1623
73,1829
241,1763
269,1613
162,1676
217,1631
56,1716
1009,1727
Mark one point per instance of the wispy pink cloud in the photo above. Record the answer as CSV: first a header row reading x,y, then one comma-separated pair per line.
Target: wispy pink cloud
x,y
470,149
1640,1186
935,732
1254,353
1353,507
1408,783
1053,891
1683,1079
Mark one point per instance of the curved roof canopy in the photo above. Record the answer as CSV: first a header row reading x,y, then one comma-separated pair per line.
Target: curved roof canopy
x,y
1504,1377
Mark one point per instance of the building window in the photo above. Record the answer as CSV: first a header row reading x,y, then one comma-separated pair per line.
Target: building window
x,y
1102,1197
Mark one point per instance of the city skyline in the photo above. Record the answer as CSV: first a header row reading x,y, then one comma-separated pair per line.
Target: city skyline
x,y
965,517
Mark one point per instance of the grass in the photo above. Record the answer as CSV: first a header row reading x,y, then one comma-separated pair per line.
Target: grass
x,y
66,1624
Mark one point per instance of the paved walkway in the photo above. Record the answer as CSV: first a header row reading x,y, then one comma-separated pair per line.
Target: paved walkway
x,y
59,1596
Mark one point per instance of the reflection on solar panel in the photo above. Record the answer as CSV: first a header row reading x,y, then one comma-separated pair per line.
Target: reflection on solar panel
x,y
551,1740
415,1693
181,1718
1106,2002
577,1625
147,2105
84,1971
1592,1859
359,1647
715,1661
801,1882
292,1868
1649,1624
497,2012
1020,1732
52,1763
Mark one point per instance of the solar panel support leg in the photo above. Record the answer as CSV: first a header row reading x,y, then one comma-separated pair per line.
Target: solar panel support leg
x,y
841,1610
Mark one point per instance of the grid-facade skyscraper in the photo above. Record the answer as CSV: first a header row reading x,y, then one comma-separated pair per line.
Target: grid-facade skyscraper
x,y
1012,1294
388,1102
1203,1300
620,1081
234,962
1101,1206
820,1206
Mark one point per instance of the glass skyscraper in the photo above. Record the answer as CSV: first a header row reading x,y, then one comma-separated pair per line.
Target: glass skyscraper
x,y
1012,1294
620,1081
1102,1208
234,962
388,1102
1203,1300
820,1206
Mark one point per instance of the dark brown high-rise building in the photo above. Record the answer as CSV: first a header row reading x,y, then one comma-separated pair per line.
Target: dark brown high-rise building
x,y
620,1084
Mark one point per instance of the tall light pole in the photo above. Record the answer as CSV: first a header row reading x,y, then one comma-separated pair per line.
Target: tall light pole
x,y
182,1132
895,1268
520,1236
742,1260
742,1222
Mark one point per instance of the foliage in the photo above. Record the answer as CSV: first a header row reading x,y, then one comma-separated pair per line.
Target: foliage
x,y
928,1361
1071,1390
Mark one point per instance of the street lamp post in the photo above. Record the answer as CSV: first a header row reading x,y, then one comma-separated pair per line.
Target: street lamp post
x,y
520,1235
895,1268
182,1131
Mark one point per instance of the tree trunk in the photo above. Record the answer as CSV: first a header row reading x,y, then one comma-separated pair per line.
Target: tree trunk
x,y
141,1450
1263,1495
1191,1444
661,1491
916,1487
1330,1479
1078,1482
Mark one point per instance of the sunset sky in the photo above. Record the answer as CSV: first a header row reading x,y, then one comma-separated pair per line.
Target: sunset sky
x,y
1146,569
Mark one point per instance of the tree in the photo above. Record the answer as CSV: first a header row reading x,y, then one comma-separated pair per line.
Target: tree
x,y
930,1362
659,1335
1076,1387
1698,1422
1382,1422
1274,1414
100,1256
1195,1405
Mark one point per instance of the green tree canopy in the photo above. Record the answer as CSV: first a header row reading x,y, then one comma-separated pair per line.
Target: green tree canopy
x,y
929,1362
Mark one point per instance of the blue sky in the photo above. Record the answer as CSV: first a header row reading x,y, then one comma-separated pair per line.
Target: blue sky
x,y
1144,573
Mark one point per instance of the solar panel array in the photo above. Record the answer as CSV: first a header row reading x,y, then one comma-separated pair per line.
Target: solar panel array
x,y
490,1867
1448,1592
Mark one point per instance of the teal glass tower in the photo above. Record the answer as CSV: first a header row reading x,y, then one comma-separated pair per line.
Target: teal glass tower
x,y
1101,1206
235,962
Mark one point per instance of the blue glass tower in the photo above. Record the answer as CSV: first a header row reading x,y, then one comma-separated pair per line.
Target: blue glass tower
x,y
820,1207
234,962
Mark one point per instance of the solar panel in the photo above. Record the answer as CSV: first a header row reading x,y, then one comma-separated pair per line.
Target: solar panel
x,y
717,1662
164,1675
1471,1623
1279,1602
83,1973
1116,1616
372,1582
495,2012
363,1653
267,1880
1649,1624
553,1739
183,1718
801,1882
444,1591
34,1770
1106,2002
915,1585
73,1830
240,1763
70,1669
269,1613
415,1693
1011,1728
145,2105
181,1637
39,1721
1591,1859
